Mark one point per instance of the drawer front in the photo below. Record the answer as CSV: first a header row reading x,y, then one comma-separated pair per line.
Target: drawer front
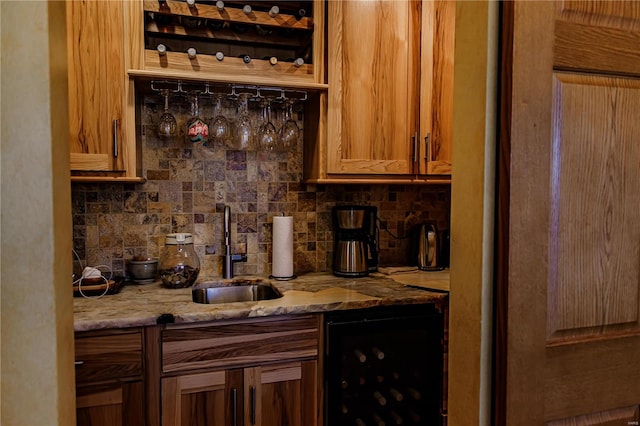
x,y
108,356
240,343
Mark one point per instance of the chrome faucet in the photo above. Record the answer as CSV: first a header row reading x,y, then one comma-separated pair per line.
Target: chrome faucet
x,y
229,259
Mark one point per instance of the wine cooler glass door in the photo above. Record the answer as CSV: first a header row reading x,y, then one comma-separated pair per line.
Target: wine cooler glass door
x,y
384,368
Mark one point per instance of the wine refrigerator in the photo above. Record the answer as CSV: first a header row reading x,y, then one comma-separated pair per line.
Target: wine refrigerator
x,y
384,366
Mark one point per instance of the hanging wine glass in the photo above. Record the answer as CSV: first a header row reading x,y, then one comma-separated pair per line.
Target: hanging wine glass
x,y
167,125
243,131
220,128
267,134
289,132
197,128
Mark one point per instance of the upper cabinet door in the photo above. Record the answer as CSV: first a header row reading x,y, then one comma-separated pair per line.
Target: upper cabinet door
x,y
373,63
436,87
98,87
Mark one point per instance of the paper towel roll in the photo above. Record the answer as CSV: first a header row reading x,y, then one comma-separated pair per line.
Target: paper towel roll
x,y
282,247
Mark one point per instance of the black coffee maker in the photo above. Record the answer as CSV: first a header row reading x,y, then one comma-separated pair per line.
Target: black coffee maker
x,y
355,251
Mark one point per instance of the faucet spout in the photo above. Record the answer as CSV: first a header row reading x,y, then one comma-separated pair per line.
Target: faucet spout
x,y
229,259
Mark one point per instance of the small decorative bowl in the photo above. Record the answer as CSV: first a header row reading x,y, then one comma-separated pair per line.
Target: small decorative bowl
x,y
143,271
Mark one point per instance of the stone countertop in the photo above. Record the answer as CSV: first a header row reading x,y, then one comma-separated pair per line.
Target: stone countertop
x,y
140,305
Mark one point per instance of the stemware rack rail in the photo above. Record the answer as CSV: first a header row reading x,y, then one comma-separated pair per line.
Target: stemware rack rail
x,y
232,90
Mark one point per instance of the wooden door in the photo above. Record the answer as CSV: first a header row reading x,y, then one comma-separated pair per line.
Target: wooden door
x,y
373,63
281,394
96,84
117,404
569,244
206,399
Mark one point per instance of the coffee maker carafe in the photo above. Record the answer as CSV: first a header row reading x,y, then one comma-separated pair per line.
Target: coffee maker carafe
x,y
355,249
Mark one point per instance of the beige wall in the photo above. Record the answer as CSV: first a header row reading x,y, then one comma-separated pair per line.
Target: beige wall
x,y
472,213
36,302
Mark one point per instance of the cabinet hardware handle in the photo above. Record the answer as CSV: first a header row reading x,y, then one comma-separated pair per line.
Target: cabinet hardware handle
x,y
427,142
253,405
414,144
78,363
234,398
115,138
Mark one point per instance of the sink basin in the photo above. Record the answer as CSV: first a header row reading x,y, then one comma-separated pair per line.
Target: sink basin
x,y
236,291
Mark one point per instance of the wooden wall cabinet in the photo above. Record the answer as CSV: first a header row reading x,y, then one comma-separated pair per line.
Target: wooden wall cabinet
x,y
101,113
109,378
257,372
390,92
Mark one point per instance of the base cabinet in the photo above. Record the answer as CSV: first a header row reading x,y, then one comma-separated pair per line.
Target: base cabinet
x,y
241,372
282,394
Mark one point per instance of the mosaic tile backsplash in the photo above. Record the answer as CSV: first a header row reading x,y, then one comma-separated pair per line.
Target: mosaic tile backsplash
x,y
189,184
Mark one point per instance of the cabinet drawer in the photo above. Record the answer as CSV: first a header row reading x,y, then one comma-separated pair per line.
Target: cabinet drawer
x,y
102,356
239,343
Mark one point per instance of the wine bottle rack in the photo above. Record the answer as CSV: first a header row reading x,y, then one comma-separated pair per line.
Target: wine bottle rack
x,y
284,47
386,369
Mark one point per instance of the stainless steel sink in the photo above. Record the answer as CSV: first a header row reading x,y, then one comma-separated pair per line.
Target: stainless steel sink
x,y
235,291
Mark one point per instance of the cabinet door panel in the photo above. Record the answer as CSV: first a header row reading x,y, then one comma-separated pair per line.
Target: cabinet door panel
x,y
110,405
281,394
373,101
96,83
197,399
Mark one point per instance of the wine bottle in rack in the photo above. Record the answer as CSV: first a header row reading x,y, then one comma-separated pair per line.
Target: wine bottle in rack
x,y
415,394
301,13
247,9
219,56
396,394
377,420
162,49
397,418
380,399
191,52
274,11
245,58
360,356
273,60
298,62
360,422
191,3
220,5
263,31
377,353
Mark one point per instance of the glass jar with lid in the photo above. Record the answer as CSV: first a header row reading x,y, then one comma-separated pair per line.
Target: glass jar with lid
x,y
179,264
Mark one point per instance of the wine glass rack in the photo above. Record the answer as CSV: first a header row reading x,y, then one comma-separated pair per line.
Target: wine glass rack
x,y
263,40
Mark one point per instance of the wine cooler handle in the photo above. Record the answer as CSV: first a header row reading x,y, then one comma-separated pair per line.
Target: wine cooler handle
x,y
253,405
234,399
115,138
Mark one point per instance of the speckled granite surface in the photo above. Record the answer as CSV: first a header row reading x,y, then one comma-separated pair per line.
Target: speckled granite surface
x,y
138,305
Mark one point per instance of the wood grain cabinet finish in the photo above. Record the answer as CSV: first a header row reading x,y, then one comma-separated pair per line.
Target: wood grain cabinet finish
x,y
101,115
109,378
390,87
251,372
